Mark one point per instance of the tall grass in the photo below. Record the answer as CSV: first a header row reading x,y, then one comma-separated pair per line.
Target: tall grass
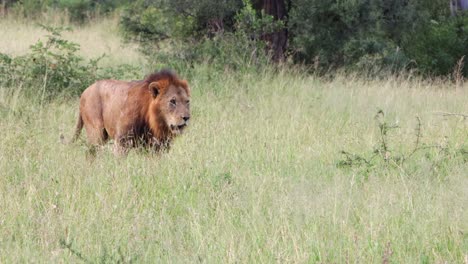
x,y
254,178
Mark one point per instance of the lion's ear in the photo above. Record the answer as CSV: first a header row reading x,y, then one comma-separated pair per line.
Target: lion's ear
x,y
154,88
185,85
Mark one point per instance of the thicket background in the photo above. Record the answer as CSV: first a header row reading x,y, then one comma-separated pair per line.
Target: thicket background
x,y
371,36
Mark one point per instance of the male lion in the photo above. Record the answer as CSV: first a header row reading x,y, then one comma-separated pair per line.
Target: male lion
x,y
150,112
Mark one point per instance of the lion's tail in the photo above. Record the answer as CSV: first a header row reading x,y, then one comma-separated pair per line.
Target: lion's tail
x,y
79,127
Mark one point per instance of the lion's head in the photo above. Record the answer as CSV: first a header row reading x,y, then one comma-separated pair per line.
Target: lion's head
x,y
170,105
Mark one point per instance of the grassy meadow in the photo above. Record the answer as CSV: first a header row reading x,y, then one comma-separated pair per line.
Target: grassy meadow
x,y
254,179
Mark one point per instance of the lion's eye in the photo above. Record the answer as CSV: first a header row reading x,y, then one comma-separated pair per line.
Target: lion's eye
x,y
187,102
173,102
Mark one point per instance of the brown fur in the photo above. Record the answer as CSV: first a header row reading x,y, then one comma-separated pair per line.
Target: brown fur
x,y
150,112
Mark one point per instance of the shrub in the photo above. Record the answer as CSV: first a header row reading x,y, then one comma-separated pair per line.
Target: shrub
x,y
373,35
388,155
151,24
171,38
339,33
226,52
53,67
438,47
157,20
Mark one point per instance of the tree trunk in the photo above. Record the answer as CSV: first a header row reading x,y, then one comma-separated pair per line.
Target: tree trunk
x,y
464,4
277,41
215,26
3,8
456,5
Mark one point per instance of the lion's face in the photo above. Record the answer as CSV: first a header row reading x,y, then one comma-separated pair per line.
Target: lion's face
x,y
173,105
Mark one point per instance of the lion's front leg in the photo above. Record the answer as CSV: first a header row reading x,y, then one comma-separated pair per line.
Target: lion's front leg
x,y
123,142
119,149
158,146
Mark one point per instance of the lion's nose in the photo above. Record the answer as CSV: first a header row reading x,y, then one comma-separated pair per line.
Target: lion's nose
x,y
186,118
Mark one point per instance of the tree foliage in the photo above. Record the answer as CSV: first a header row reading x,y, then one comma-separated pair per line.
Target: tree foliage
x,y
439,46
363,35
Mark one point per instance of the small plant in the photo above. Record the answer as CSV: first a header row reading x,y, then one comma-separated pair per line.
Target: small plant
x,y
384,154
69,245
105,257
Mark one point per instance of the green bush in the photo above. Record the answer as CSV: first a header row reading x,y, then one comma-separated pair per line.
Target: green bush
x,y
157,20
227,52
171,38
340,33
152,24
370,36
253,24
53,68
438,47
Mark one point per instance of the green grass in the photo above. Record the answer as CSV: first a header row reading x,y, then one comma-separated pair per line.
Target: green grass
x,y
254,178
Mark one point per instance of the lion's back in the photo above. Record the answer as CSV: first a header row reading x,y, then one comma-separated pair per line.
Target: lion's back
x,y
104,101
107,92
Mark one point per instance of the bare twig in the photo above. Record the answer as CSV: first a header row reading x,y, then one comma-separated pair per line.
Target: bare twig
x,y
458,72
74,252
451,114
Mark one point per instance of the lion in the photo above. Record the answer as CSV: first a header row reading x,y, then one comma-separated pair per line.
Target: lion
x,y
149,112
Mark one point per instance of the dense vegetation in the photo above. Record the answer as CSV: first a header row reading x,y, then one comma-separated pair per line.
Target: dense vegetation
x,y
364,35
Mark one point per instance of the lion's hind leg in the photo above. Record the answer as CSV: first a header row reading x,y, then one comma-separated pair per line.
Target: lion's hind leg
x,y
97,136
